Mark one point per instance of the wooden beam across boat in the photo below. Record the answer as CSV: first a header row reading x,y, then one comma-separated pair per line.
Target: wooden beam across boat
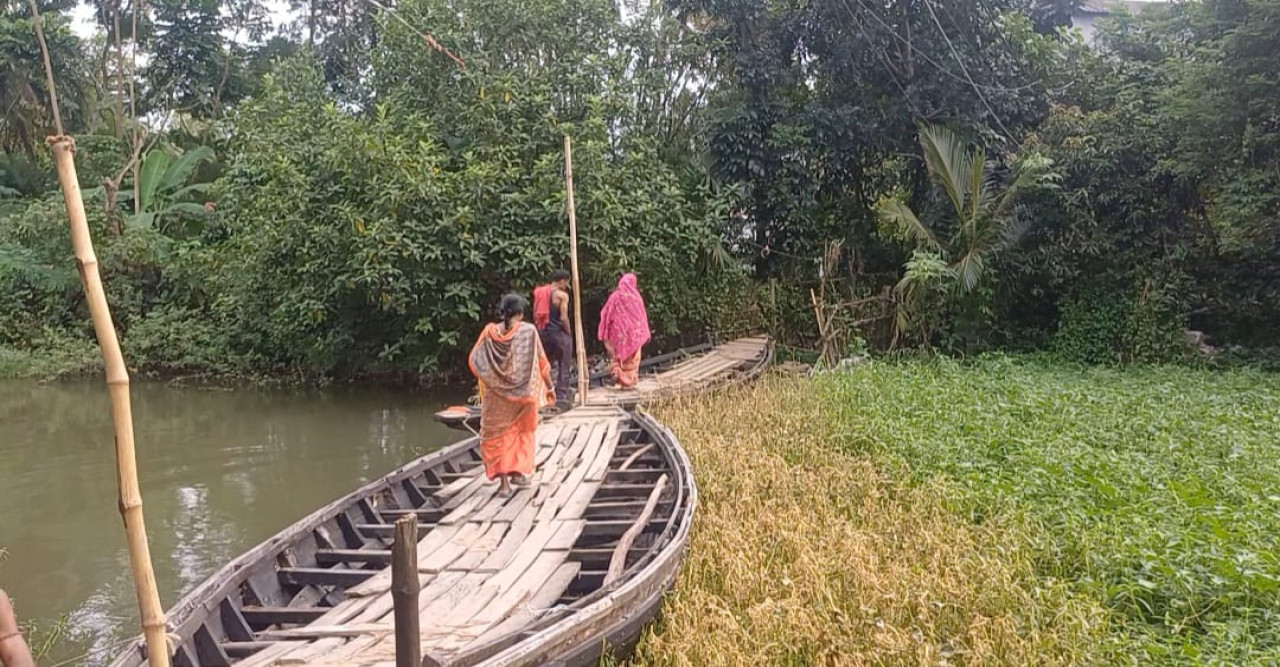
x,y
514,579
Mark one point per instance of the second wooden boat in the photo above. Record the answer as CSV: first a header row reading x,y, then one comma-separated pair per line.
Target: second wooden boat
x,y
685,371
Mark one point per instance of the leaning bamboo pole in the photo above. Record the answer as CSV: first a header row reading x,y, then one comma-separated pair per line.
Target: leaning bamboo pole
x,y
153,621
130,495
584,373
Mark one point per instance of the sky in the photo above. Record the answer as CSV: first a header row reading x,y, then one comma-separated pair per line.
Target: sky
x,y
82,23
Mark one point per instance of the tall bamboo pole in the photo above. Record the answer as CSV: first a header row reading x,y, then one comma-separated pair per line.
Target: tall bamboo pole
x,y
153,621
130,496
584,373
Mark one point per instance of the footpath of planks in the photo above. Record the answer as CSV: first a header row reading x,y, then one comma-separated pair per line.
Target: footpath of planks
x,y
488,567
687,376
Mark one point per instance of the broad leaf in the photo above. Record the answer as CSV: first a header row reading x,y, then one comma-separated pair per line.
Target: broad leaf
x,y
179,172
150,176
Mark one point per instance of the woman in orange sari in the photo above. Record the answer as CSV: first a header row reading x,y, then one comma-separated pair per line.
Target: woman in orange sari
x,y
624,329
515,381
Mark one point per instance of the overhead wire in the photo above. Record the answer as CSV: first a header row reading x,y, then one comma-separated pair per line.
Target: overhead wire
x,y
923,56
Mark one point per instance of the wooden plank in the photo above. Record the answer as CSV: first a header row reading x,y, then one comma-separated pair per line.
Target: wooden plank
x,y
474,484
530,549
500,602
320,576
548,509
481,548
638,453
381,582
617,563
506,506
453,549
600,462
266,656
511,541
383,605
245,649
519,501
265,616
340,556
324,631
310,651
424,514
546,595
567,535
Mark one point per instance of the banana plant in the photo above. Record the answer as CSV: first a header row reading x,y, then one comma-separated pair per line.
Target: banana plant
x,y
164,191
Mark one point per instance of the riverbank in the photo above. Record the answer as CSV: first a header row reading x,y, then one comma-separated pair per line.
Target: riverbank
x,y
998,512
84,361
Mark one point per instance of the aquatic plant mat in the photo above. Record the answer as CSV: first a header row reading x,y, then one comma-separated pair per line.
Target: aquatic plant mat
x,y
998,512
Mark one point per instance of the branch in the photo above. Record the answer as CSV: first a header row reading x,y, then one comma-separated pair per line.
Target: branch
x,y
431,41
38,23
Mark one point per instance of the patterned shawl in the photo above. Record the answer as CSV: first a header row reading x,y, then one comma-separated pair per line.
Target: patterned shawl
x,y
624,321
507,364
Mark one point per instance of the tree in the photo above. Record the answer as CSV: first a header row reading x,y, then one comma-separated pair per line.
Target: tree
x,y
24,96
953,254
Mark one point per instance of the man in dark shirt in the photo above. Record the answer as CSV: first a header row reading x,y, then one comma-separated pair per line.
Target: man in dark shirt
x,y
551,316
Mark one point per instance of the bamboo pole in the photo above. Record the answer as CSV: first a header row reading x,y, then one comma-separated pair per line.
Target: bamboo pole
x,y
130,495
153,620
405,587
584,373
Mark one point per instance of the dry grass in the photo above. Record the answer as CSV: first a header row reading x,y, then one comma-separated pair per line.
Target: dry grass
x,y
802,555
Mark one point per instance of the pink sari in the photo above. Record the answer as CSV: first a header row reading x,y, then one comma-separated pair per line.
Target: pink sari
x,y
624,328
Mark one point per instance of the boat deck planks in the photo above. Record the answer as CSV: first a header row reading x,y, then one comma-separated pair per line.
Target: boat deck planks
x,y
487,566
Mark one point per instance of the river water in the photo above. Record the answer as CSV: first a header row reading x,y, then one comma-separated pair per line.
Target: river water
x,y
221,471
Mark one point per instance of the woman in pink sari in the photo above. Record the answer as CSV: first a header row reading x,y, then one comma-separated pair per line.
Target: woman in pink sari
x,y
624,329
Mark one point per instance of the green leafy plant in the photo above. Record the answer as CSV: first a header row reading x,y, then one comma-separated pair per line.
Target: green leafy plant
x,y
952,255
165,190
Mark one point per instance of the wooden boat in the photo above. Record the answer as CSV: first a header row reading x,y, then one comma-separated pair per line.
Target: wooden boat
x,y
557,573
685,371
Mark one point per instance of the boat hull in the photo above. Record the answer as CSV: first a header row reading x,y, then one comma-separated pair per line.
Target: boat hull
x,y
221,622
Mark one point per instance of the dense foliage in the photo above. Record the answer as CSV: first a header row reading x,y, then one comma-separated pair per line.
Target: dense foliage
x,y
1151,490
336,195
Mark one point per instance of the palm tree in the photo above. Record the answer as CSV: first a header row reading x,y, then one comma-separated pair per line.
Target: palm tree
x,y
983,220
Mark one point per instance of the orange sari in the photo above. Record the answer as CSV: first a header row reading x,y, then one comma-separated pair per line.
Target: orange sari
x,y
515,381
626,371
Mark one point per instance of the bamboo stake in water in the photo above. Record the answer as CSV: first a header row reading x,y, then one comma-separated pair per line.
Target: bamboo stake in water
x,y
584,373
153,621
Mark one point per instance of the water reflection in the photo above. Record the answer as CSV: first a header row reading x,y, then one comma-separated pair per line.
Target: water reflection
x,y
221,471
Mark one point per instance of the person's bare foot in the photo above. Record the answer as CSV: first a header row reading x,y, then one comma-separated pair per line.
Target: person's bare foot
x,y
519,480
504,485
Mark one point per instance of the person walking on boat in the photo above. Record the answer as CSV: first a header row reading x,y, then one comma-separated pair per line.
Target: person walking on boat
x,y
624,329
515,382
551,317
13,648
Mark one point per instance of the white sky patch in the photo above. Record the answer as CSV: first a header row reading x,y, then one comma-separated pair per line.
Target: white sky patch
x,y
83,25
